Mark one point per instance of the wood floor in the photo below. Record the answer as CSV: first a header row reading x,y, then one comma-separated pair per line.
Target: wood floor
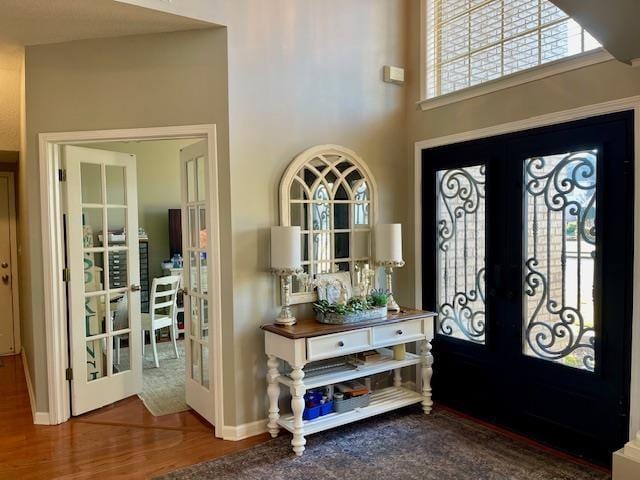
x,y
117,442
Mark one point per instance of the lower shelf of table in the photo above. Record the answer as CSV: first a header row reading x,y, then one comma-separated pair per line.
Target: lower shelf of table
x,y
382,401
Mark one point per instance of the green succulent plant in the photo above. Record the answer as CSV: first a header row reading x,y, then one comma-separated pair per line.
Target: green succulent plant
x,y
353,305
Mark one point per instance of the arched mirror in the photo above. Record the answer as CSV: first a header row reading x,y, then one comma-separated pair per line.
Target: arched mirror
x,y
329,192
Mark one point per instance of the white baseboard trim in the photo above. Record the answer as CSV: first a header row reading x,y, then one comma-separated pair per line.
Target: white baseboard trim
x,y
39,418
246,430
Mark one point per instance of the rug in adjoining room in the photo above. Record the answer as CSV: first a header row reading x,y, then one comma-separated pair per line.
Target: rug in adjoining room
x,y
399,445
163,389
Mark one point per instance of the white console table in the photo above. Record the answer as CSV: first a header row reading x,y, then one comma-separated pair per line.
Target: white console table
x,y
308,341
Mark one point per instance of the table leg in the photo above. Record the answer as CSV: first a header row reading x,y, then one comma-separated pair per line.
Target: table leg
x,y
427,373
297,407
273,391
397,377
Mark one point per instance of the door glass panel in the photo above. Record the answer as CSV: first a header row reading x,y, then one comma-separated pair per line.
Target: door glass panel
x,y
204,308
201,178
93,272
193,228
204,361
195,317
96,359
115,185
559,253
460,210
195,361
191,181
91,180
120,312
92,227
121,358
203,272
194,285
118,269
116,222
203,227
95,312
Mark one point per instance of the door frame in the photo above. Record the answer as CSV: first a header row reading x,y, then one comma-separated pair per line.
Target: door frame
x,y
13,241
625,104
53,254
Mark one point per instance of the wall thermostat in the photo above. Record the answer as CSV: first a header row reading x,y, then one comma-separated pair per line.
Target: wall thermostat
x,y
393,74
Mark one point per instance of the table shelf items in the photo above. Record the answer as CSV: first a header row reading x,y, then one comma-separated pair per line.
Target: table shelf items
x,y
328,370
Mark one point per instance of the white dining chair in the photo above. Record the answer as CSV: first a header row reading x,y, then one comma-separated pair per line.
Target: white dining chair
x,y
162,312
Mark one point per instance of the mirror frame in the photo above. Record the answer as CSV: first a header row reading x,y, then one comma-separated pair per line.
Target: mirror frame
x,y
302,160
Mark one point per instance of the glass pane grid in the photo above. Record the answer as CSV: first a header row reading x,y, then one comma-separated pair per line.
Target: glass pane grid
x,y
460,240
104,204
560,258
330,198
522,33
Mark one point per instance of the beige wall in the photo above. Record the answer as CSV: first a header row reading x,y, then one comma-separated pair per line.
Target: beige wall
x,y
10,80
158,172
303,73
141,81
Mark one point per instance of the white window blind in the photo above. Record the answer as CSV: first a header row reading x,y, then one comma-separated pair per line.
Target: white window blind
x,y
470,42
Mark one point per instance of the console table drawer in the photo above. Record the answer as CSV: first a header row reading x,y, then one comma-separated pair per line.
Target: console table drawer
x,y
328,346
409,331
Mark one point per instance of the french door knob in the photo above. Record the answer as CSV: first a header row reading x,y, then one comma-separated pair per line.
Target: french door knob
x,y
4,265
5,278
135,287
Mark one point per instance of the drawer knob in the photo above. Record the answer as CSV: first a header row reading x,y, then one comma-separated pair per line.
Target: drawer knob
x,y
399,332
341,343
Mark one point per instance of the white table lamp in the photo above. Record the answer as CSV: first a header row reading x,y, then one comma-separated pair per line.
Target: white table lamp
x,y
388,241
285,262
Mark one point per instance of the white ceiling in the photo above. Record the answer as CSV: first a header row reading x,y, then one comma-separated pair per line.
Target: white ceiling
x,y
32,22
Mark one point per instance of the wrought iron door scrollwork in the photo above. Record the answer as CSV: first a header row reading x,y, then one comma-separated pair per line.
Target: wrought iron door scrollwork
x,y
460,243
560,194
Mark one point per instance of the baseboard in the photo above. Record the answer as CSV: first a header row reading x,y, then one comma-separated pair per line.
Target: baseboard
x,y
245,430
39,418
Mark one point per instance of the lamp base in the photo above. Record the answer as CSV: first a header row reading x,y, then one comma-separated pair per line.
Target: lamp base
x,y
392,305
285,318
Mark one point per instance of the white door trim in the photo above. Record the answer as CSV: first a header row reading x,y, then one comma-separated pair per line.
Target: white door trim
x,y
53,254
631,103
13,240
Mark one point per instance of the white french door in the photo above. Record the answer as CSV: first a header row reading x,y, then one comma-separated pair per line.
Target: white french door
x,y
197,253
104,295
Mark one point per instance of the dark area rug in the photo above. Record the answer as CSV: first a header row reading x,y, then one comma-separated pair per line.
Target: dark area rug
x,y
400,445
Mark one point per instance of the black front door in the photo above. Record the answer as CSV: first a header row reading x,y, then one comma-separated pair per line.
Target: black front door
x,y
528,254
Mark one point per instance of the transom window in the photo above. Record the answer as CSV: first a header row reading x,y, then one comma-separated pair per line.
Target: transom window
x,y
470,42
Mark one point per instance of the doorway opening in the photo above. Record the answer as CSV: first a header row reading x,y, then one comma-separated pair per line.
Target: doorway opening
x,y
143,308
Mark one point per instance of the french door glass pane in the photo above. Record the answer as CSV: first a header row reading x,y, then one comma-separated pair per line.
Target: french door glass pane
x,y
559,258
460,241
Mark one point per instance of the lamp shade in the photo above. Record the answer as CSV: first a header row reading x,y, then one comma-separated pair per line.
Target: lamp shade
x,y
285,248
388,238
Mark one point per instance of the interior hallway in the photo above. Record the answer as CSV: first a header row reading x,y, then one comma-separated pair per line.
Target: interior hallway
x,y
120,441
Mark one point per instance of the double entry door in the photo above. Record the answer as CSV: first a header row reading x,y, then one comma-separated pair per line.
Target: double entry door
x,y
101,204
527,241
